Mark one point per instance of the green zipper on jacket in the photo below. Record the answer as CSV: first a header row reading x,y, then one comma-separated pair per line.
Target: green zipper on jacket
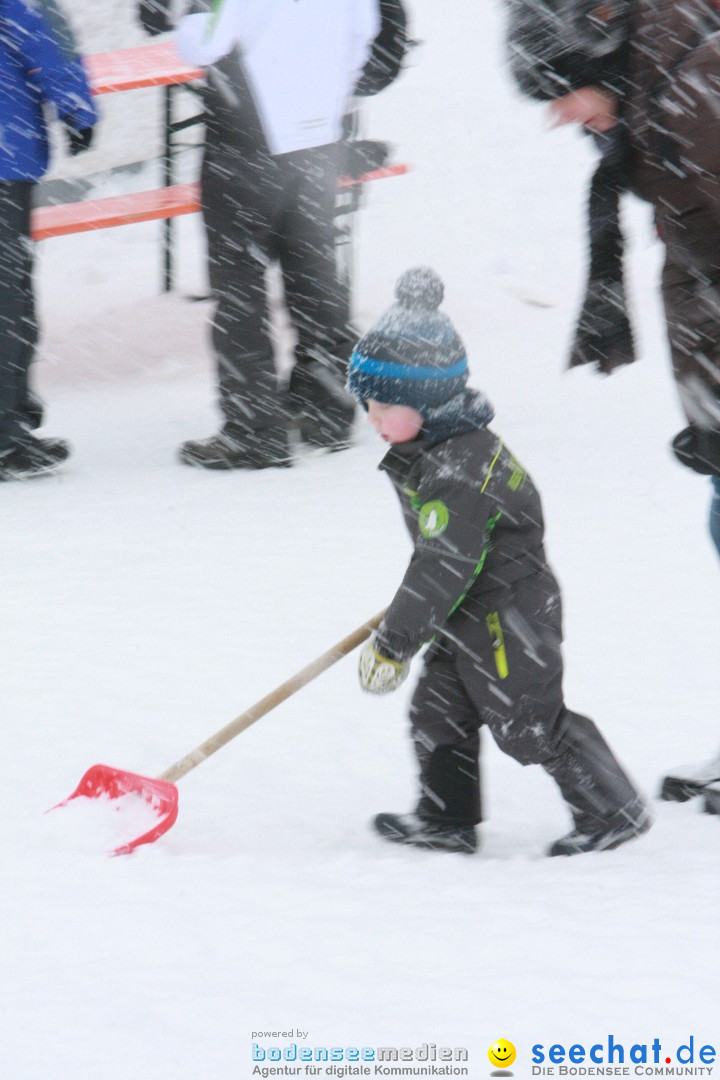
x,y
491,523
498,643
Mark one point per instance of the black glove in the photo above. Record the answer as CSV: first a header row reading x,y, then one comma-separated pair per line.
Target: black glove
x,y
78,139
363,156
603,336
698,449
155,16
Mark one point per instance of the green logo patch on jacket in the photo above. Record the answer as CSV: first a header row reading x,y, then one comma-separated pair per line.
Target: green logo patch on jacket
x,y
517,476
433,519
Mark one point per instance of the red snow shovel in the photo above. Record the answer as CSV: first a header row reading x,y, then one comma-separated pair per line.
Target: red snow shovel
x,y
103,781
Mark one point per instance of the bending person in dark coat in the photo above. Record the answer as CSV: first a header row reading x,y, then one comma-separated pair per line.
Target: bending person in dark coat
x,y
642,78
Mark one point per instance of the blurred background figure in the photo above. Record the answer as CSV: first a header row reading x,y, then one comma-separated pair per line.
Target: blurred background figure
x,y
39,66
279,83
642,78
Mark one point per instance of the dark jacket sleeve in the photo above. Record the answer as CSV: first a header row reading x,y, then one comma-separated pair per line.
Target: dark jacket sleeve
x,y
42,37
388,50
455,520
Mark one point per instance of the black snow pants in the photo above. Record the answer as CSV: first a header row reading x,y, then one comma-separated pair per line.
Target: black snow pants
x,y
259,208
499,664
19,409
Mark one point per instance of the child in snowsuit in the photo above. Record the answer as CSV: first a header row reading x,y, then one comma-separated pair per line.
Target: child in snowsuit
x,y
479,589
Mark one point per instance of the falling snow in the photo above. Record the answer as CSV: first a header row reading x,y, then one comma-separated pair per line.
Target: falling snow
x,y
146,605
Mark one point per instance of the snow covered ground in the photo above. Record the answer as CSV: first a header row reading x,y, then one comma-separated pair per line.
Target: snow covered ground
x,y
145,605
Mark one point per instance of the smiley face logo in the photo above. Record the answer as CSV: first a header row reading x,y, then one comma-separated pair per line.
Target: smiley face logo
x,y
501,1053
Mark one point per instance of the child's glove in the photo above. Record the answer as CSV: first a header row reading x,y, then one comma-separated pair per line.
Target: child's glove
x,y
379,674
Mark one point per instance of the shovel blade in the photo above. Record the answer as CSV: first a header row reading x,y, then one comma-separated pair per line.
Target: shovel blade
x,y
104,781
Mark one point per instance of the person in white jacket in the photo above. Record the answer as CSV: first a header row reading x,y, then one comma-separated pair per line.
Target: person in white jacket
x,y
280,73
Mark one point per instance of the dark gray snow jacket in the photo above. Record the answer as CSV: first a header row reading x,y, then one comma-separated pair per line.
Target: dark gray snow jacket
x,y
475,519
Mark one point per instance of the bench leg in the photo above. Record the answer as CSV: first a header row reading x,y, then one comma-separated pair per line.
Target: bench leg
x,y
167,167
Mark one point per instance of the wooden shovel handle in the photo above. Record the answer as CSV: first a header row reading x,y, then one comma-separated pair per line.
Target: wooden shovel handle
x,y
275,697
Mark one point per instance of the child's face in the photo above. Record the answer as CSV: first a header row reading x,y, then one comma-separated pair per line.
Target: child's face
x,y
394,423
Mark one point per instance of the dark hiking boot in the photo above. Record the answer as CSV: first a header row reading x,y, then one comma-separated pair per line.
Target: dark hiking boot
x,y
224,451
579,842
711,802
32,457
323,409
690,781
32,411
434,835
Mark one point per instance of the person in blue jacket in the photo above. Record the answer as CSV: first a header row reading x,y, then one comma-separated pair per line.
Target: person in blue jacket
x,y
39,67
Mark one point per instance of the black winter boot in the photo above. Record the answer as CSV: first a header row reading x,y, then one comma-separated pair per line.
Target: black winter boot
x,y
324,410
606,807
227,451
32,457
434,835
612,835
690,780
711,802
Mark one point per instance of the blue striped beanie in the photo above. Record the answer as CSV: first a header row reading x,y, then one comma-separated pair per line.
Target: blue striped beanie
x,y
412,355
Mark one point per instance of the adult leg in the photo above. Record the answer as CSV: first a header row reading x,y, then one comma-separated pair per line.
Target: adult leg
x,y
21,455
691,295
18,327
692,308
316,299
240,197
715,513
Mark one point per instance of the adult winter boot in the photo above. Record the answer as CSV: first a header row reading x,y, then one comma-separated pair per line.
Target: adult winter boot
x,y
32,457
323,408
227,451
688,781
711,802
434,835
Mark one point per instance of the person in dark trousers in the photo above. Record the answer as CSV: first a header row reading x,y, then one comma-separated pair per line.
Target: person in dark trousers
x,y
268,194
478,590
279,77
641,78
39,66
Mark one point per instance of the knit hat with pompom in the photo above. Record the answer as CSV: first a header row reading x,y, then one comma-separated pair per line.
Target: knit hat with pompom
x,y
412,355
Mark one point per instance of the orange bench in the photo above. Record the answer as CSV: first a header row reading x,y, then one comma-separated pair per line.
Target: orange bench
x,y
133,69
77,217
160,203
